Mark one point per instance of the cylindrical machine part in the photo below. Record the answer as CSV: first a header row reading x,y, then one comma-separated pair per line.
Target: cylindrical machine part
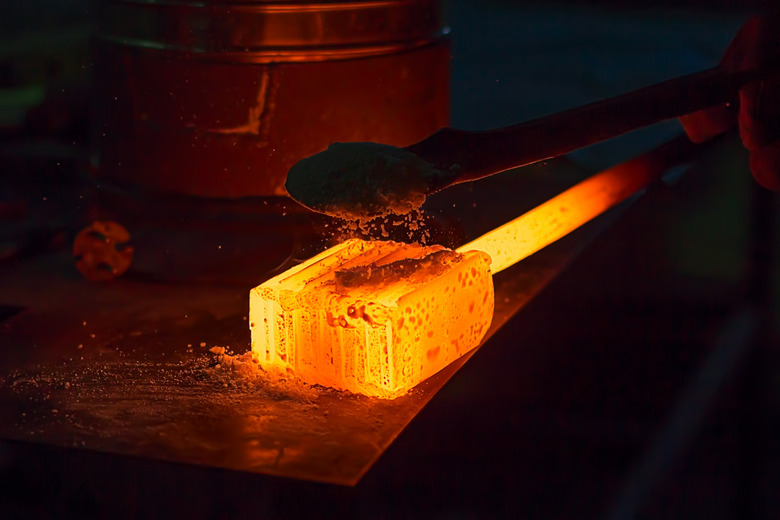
x,y
219,98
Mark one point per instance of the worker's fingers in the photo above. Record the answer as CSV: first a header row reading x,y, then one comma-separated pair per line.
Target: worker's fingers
x,y
765,165
756,45
759,114
757,111
705,124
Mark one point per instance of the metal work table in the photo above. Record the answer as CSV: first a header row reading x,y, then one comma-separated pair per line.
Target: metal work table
x,y
125,367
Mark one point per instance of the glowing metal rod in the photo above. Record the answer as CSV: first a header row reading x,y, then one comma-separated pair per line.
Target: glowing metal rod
x,y
543,225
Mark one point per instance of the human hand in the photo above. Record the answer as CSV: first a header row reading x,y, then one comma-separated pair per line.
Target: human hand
x,y
757,111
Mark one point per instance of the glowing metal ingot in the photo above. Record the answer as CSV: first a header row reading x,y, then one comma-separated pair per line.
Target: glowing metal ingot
x,y
374,318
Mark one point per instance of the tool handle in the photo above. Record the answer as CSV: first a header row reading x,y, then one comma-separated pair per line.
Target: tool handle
x,y
469,155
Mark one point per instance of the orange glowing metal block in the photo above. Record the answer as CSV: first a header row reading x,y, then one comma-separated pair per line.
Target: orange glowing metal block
x,y
374,318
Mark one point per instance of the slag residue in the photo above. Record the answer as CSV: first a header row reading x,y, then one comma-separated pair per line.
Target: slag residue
x,y
361,181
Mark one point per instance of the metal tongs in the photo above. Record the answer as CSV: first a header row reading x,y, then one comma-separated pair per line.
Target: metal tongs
x,y
452,156
484,153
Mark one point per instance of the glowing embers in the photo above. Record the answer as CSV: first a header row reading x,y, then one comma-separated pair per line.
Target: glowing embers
x,y
374,318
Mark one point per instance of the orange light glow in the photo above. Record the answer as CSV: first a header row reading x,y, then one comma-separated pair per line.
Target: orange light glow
x,y
543,225
375,318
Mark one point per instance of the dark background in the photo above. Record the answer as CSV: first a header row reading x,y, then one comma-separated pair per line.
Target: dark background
x,y
574,409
